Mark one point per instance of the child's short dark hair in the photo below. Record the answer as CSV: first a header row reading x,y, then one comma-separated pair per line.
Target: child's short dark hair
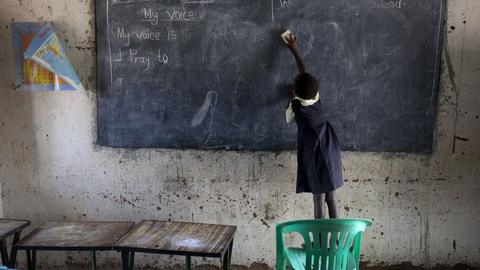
x,y
306,86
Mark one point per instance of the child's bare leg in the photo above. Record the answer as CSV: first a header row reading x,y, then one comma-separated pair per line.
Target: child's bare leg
x,y
331,200
319,205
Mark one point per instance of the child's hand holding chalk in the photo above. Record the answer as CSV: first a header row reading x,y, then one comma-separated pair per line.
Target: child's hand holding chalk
x,y
289,39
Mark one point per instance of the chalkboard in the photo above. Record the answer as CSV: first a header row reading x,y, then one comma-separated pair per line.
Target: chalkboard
x,y
212,74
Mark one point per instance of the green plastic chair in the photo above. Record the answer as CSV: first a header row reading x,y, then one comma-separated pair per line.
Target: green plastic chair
x,y
330,244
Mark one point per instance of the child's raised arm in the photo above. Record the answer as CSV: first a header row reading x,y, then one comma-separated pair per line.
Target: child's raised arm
x,y
291,42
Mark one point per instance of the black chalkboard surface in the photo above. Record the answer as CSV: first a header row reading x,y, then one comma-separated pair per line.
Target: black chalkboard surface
x,y
212,74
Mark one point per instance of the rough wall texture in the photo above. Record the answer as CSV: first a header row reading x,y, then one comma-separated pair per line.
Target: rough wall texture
x,y
425,207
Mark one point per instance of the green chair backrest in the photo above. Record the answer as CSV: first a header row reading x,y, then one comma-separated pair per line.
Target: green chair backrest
x,y
330,244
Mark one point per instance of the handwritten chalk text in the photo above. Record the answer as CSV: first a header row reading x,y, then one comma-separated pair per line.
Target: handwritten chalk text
x,y
136,59
122,35
149,15
181,15
396,4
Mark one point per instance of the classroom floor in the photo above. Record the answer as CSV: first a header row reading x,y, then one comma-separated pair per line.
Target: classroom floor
x,y
260,266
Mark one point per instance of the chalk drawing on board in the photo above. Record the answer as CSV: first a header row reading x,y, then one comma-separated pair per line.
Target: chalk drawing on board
x,y
109,45
237,83
119,57
273,17
208,104
309,45
213,103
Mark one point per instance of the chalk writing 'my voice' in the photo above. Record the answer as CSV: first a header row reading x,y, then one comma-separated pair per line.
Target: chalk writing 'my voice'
x,y
152,16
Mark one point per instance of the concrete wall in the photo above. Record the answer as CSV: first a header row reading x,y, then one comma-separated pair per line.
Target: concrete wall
x,y
425,207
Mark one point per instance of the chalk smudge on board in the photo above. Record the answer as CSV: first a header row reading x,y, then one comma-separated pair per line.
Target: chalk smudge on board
x,y
235,91
309,45
212,114
209,102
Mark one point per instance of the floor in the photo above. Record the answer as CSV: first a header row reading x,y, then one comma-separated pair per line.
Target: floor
x,y
260,266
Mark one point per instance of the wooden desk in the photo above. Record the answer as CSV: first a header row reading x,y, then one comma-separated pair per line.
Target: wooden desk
x,y
80,235
177,238
7,228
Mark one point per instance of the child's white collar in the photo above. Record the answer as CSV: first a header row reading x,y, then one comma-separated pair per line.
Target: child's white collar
x,y
308,102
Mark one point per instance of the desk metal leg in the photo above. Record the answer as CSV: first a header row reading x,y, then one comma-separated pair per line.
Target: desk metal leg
x,y
125,260
4,253
230,254
13,253
227,257
31,259
131,261
188,262
94,260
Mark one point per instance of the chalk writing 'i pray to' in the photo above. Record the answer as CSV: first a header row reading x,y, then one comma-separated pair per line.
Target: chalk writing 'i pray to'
x,y
136,58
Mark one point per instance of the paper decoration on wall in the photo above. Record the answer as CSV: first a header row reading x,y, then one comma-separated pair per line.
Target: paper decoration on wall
x,y
40,58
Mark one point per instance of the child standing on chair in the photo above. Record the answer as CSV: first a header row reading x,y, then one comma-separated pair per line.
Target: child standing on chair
x,y
319,155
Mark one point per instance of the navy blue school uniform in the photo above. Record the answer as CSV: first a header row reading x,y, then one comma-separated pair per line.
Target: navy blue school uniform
x,y
318,150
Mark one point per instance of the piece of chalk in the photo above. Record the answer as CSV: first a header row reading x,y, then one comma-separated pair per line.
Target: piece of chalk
x,y
286,36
